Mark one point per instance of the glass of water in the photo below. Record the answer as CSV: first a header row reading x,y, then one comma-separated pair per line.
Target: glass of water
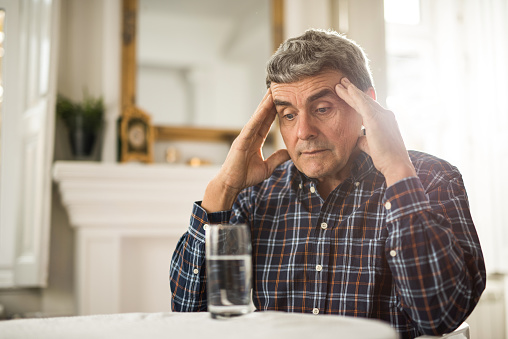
x,y
228,270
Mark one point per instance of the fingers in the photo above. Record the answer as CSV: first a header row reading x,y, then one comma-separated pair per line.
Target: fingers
x,y
275,160
342,90
357,99
262,119
269,117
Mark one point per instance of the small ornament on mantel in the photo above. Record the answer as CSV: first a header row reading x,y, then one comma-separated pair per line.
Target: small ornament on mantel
x,y
197,162
136,136
172,155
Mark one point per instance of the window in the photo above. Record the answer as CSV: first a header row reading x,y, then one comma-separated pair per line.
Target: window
x,y
402,11
447,83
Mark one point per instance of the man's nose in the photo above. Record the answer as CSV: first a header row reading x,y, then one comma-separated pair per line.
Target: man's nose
x,y
306,128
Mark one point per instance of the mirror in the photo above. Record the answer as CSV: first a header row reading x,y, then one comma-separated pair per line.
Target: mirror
x,y
197,66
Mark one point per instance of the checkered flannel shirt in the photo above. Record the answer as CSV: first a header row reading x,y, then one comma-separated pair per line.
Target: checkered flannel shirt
x,y
408,254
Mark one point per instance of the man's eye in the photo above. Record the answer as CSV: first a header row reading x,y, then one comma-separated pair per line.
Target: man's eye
x,y
289,116
322,110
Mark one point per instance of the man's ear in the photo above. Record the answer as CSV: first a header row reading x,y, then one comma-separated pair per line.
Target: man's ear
x,y
371,92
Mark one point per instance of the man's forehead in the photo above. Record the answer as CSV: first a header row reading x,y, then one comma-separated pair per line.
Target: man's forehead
x,y
308,89
309,84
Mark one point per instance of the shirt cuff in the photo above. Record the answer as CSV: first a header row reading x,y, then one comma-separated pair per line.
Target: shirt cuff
x,y
405,197
200,219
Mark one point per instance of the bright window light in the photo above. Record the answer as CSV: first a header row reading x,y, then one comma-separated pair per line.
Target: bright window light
x,y
405,12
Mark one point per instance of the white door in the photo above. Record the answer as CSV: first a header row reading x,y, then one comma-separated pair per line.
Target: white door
x,y
27,129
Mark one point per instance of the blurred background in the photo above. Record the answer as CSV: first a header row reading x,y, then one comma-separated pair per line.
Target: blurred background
x,y
87,234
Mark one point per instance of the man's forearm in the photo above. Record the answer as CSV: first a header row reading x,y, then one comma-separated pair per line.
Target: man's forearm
x,y
402,171
218,197
187,276
428,250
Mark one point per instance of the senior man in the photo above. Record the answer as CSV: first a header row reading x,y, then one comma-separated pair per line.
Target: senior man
x,y
345,220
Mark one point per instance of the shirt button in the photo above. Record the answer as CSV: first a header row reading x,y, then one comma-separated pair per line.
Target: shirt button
x,y
300,185
196,271
315,311
312,189
319,268
357,183
205,227
324,225
388,205
393,253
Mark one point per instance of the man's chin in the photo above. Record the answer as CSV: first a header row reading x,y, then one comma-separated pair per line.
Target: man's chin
x,y
323,169
314,171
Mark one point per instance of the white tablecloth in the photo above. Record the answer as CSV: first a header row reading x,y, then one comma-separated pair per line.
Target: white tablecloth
x,y
258,325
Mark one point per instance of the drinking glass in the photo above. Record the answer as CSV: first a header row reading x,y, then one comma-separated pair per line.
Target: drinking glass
x,y
228,270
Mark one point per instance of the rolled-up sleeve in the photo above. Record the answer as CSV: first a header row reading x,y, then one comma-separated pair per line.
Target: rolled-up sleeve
x,y
433,252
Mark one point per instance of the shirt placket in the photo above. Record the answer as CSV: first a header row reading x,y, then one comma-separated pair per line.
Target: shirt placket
x,y
318,247
322,261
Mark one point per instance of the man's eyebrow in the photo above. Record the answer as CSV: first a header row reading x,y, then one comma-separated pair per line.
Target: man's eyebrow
x,y
278,102
321,94
318,95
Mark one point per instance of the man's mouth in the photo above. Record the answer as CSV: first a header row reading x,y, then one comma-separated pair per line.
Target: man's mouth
x,y
313,152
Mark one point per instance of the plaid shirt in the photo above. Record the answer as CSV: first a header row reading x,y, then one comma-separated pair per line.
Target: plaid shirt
x,y
408,254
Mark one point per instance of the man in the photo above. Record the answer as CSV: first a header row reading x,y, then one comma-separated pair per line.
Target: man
x,y
346,220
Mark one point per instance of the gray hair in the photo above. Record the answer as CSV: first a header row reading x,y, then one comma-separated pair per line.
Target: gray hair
x,y
315,51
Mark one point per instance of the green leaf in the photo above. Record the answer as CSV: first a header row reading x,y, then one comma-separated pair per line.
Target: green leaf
x,y
87,115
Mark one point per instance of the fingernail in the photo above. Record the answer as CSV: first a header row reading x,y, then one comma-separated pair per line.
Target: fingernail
x,y
346,80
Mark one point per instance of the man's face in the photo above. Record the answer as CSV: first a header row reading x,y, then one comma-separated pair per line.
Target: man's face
x,y
319,129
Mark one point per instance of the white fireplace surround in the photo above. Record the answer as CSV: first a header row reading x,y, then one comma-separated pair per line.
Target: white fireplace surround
x,y
128,219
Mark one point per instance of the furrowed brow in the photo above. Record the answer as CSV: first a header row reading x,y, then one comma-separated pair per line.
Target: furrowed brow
x,y
321,94
314,97
277,102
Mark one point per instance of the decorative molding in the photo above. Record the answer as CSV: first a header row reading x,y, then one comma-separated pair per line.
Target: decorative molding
x,y
130,195
168,133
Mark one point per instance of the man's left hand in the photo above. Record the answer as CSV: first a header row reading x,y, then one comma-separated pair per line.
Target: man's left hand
x,y
383,141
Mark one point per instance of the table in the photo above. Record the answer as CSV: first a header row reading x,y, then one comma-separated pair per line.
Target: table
x,y
266,325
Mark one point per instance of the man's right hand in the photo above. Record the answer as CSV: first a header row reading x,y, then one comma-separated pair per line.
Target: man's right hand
x,y
244,165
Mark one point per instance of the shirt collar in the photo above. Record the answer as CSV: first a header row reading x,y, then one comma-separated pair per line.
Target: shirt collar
x,y
362,166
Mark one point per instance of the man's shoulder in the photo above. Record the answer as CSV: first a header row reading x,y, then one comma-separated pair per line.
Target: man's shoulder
x,y
430,167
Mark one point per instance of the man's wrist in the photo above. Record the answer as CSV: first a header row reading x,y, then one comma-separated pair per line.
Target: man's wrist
x,y
403,198
218,197
399,173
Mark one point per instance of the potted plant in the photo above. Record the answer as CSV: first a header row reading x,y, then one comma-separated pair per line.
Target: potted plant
x,y
83,121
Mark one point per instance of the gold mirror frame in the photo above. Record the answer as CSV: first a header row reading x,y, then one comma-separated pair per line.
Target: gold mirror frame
x,y
129,70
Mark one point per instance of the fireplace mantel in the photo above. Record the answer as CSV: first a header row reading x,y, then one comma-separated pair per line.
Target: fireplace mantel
x,y
128,219
126,195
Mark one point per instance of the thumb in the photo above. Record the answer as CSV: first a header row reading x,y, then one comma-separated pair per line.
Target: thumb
x,y
275,160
